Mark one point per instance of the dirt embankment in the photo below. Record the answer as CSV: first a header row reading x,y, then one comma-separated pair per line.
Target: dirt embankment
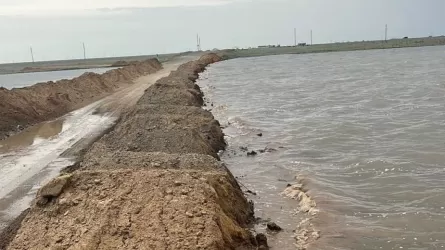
x,y
153,182
23,107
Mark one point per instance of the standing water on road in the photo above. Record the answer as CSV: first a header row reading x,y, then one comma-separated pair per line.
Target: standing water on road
x,y
31,158
364,131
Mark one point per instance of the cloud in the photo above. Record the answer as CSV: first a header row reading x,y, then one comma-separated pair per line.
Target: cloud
x,y
69,7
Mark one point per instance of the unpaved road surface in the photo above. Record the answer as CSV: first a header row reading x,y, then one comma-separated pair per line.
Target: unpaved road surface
x,y
33,157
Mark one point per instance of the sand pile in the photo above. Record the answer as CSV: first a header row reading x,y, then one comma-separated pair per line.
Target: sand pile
x,y
153,182
23,107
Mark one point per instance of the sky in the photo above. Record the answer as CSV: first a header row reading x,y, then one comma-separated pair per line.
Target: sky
x,y
56,29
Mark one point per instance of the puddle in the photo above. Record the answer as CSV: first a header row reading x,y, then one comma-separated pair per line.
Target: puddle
x,y
31,135
35,156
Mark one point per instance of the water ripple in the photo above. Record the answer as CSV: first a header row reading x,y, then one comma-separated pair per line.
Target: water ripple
x,y
366,128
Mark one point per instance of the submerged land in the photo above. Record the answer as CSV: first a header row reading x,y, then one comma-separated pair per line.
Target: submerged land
x,y
154,180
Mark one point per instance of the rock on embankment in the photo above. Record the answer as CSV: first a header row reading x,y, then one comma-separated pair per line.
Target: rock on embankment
x,y
153,182
44,101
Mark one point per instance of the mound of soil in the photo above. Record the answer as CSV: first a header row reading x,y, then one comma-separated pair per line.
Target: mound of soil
x,y
139,209
172,95
152,182
172,133
120,64
30,69
156,160
23,107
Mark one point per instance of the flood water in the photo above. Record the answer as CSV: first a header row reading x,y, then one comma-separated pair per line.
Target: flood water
x,y
364,132
27,79
35,156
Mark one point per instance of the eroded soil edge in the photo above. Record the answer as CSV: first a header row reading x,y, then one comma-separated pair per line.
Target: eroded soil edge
x,y
153,182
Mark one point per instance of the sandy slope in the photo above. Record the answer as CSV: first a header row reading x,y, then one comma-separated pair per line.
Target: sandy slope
x,y
36,155
152,182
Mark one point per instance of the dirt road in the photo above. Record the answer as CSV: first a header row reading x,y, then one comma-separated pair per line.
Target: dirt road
x,y
33,157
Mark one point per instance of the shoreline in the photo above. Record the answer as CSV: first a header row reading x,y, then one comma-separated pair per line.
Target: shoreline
x,y
154,180
107,62
335,47
126,152
73,64
281,196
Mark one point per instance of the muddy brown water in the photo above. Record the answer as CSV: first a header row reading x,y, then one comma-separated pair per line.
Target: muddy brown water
x,y
364,131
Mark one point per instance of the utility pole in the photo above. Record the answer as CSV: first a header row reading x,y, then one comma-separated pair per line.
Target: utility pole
x,y
32,54
84,52
386,32
198,42
311,37
295,36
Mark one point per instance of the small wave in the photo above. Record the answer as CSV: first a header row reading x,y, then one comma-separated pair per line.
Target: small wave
x,y
238,122
305,233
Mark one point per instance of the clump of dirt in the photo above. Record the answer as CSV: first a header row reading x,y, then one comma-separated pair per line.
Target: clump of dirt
x,y
23,107
153,182
173,95
120,64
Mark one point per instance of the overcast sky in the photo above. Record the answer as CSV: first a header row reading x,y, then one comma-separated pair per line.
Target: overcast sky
x,y
56,28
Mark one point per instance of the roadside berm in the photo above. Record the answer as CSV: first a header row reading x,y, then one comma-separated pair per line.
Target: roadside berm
x,y
23,107
153,182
